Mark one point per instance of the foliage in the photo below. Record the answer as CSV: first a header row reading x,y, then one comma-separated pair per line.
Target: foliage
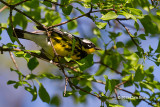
x,y
123,57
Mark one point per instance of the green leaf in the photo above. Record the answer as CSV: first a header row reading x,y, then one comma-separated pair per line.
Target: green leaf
x,y
50,76
80,10
97,32
88,60
158,12
19,54
149,70
139,75
48,4
147,86
111,85
109,16
114,35
65,2
129,79
55,101
135,11
11,82
17,84
119,44
72,25
86,0
0,30
142,36
38,52
10,33
149,25
43,94
33,92
67,10
30,4
20,20
69,93
101,25
107,83
133,58
158,48
113,105
30,76
101,70
68,59
87,89
136,25
11,45
128,15
33,63
27,56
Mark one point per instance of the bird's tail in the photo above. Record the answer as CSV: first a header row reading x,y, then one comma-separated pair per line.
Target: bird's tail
x,y
20,33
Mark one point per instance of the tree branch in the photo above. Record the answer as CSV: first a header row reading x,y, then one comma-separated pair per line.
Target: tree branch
x,y
86,14
128,33
83,89
108,67
14,61
20,2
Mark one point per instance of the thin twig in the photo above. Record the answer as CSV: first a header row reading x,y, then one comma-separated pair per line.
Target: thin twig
x,y
11,22
14,60
65,88
3,27
121,83
108,67
128,33
86,14
83,89
116,93
17,4
3,8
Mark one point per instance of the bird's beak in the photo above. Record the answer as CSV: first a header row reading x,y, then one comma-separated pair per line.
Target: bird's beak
x,y
96,48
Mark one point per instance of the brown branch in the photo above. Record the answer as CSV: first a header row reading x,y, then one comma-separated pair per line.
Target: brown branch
x,y
83,89
116,93
3,27
11,22
132,38
86,14
65,88
121,83
3,8
21,2
12,6
10,53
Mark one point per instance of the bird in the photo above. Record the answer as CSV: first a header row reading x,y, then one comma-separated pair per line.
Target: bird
x,y
64,43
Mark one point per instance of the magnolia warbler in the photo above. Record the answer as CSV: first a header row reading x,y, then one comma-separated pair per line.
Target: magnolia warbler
x,y
65,44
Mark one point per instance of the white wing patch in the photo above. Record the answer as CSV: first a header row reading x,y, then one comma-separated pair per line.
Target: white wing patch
x,y
86,41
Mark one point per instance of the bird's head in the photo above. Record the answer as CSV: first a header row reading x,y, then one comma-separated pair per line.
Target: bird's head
x,y
88,46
